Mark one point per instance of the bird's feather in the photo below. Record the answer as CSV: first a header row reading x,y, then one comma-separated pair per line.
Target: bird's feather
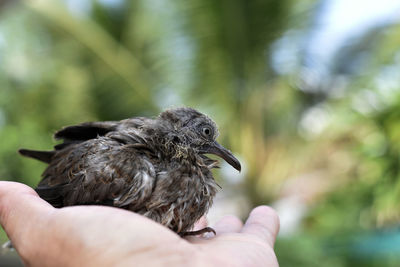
x,y
44,156
77,177
85,131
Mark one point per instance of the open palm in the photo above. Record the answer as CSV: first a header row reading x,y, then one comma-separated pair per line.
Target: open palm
x,y
105,236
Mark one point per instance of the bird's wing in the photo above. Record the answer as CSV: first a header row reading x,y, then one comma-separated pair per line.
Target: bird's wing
x,y
99,171
86,130
89,130
79,133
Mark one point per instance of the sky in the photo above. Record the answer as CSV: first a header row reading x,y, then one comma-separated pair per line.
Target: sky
x,y
335,22
340,20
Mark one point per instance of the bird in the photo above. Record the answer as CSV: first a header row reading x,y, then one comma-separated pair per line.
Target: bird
x,y
156,167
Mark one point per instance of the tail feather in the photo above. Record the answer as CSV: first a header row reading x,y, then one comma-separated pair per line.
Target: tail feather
x,y
44,156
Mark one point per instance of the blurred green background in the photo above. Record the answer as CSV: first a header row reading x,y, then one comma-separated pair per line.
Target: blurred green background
x,y
306,93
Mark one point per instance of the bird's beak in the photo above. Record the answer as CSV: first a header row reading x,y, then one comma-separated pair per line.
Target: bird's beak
x,y
222,152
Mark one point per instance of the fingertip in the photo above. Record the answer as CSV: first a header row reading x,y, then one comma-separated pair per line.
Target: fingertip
x,y
201,223
13,195
228,224
20,206
15,188
10,195
263,222
267,212
232,220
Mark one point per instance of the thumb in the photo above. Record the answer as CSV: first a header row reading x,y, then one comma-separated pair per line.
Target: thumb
x,y
20,207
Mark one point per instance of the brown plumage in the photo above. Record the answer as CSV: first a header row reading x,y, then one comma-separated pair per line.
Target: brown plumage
x,y
155,167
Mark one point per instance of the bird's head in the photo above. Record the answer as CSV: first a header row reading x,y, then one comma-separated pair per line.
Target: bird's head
x,y
190,130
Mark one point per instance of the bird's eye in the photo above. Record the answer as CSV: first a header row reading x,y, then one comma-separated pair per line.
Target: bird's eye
x,y
207,131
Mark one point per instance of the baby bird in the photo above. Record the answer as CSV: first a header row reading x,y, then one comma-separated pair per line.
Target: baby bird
x,y
154,167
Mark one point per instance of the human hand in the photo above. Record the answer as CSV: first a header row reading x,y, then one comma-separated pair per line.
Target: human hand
x,y
106,236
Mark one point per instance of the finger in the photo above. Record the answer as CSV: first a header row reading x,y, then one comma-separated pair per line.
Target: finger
x,y
228,224
263,222
200,224
20,206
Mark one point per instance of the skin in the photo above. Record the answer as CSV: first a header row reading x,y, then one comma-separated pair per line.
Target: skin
x,y
106,236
